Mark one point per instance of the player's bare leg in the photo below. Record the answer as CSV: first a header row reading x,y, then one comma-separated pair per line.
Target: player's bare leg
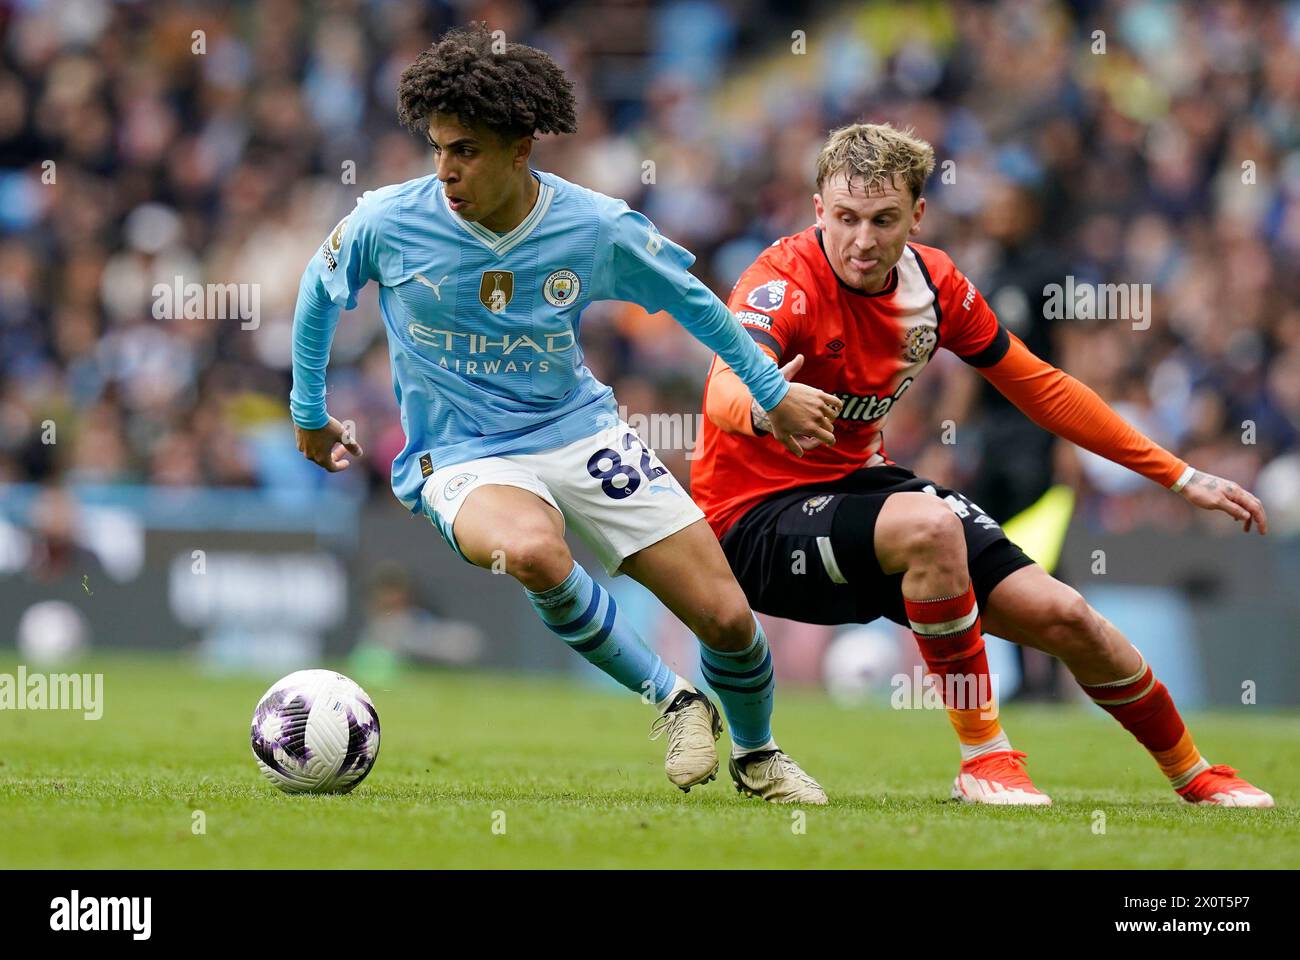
x,y
505,524
499,523
688,572
1033,608
918,535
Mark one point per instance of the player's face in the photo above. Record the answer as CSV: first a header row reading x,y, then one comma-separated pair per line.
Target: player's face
x,y
477,167
865,229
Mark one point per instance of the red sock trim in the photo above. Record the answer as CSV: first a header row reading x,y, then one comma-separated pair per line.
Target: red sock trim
x,y
1152,718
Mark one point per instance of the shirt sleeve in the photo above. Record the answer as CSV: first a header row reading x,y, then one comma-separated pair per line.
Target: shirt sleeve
x,y
348,258
1057,402
769,306
642,266
967,325
727,402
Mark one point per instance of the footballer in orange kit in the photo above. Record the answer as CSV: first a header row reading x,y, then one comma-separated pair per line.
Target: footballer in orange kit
x,y
856,307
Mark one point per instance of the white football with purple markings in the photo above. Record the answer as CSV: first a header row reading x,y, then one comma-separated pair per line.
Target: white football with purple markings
x,y
315,731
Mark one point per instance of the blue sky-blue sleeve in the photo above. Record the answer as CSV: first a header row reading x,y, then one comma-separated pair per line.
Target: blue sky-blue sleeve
x,y
338,270
646,268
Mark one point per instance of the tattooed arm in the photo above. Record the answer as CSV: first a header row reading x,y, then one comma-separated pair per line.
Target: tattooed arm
x,y
1215,493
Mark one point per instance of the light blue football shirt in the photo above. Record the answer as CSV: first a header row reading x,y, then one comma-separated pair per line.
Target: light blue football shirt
x,y
483,327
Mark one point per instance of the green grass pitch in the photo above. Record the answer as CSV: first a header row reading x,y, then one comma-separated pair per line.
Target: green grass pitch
x,y
569,773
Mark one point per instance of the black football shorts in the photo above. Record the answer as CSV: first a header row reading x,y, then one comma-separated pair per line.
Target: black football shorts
x,y
808,554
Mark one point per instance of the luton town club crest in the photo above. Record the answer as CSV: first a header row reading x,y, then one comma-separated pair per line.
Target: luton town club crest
x,y
918,343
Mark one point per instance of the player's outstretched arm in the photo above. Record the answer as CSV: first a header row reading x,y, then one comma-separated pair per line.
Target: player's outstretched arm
x,y
803,419
1057,402
341,267
320,437
1209,492
733,409
646,268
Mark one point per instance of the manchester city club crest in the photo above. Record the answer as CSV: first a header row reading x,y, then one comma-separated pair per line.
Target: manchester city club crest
x,y
918,343
456,484
561,288
495,289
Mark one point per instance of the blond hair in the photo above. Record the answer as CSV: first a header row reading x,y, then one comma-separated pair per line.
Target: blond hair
x,y
874,154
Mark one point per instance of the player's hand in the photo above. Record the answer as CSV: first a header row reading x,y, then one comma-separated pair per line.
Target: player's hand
x,y
325,447
1214,493
805,416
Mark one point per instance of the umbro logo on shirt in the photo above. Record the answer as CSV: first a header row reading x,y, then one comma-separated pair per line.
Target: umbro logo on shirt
x,y
836,347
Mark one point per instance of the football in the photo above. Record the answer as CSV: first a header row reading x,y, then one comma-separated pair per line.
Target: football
x,y
315,731
859,663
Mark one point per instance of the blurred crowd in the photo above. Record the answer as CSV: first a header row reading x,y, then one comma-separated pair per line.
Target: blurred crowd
x,y
218,142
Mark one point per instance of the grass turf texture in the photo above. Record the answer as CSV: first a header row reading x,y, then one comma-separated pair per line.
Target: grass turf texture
x,y
580,786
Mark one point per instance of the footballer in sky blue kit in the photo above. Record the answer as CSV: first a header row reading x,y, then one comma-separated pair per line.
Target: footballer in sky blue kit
x,y
484,269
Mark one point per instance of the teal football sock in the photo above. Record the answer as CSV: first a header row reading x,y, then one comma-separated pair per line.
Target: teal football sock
x,y
746,684
584,615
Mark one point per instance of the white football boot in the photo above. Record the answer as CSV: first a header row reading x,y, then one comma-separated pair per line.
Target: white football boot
x,y
693,726
772,776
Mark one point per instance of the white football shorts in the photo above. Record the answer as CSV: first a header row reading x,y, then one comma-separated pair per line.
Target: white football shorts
x,y
610,488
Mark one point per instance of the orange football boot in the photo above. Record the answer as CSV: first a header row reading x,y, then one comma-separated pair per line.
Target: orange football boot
x,y
998,778
1220,786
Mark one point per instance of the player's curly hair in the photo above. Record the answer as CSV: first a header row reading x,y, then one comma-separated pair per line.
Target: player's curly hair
x,y
514,90
875,153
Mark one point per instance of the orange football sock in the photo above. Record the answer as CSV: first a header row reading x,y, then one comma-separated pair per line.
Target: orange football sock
x,y
947,629
1145,709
